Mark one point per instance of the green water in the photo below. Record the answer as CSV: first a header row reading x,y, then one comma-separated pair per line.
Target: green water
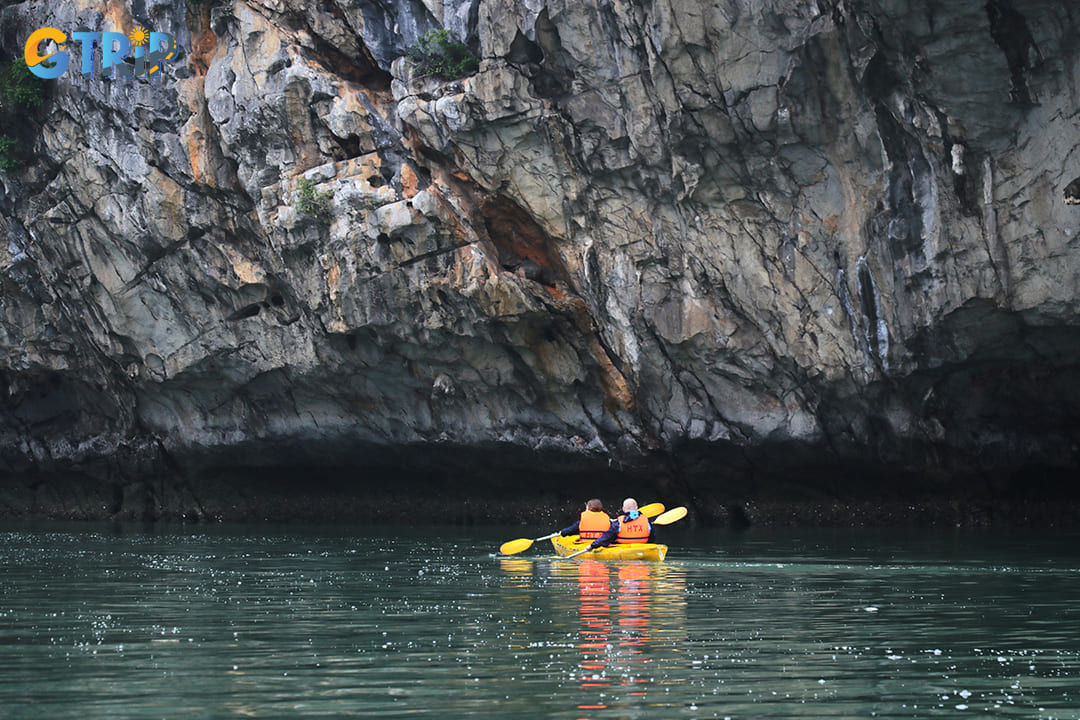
x,y
233,622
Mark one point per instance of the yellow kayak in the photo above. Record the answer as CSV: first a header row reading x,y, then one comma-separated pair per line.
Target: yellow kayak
x,y
631,551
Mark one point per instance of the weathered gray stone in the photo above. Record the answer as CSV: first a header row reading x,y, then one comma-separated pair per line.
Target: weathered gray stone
x,y
731,246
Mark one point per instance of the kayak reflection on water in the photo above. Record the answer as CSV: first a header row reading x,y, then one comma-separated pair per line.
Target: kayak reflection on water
x,y
614,611
629,615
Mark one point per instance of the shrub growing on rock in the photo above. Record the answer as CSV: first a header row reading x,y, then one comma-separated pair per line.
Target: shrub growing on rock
x,y
312,202
437,54
20,92
19,88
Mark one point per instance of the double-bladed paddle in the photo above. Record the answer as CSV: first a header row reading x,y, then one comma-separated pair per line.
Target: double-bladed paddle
x,y
513,547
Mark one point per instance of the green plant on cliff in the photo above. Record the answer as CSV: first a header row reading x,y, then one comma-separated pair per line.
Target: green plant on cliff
x,y
437,54
9,161
312,202
20,93
20,88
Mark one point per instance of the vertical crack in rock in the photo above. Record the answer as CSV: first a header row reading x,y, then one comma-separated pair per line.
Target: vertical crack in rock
x,y
911,183
1010,31
553,76
875,328
996,251
844,295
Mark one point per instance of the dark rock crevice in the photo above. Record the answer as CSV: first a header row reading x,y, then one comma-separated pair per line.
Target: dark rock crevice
x,y
1009,30
521,243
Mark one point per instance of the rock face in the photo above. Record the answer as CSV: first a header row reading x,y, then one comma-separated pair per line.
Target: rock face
x,y
724,250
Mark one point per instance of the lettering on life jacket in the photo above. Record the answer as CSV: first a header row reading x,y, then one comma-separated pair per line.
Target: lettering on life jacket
x,y
633,531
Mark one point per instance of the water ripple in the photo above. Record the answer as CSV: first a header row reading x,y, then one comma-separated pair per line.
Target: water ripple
x,y
125,624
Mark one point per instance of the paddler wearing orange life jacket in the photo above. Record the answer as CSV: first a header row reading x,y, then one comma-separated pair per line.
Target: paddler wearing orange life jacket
x,y
593,522
630,527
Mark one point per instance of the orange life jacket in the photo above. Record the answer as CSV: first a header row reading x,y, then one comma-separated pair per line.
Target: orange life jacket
x,y
593,524
633,531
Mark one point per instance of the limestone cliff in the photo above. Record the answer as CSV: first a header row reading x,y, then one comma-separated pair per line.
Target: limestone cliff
x,y
730,249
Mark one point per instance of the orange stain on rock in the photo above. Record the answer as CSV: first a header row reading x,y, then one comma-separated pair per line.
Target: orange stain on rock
x,y
193,140
117,17
556,292
203,41
410,183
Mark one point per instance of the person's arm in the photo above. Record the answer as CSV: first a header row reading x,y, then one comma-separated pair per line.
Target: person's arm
x,y
572,530
608,537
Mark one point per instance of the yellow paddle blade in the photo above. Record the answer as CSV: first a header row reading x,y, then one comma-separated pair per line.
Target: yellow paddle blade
x,y
671,516
515,546
652,509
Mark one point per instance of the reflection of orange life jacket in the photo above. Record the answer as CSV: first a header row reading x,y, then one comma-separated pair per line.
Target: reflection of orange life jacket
x,y
593,524
633,531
